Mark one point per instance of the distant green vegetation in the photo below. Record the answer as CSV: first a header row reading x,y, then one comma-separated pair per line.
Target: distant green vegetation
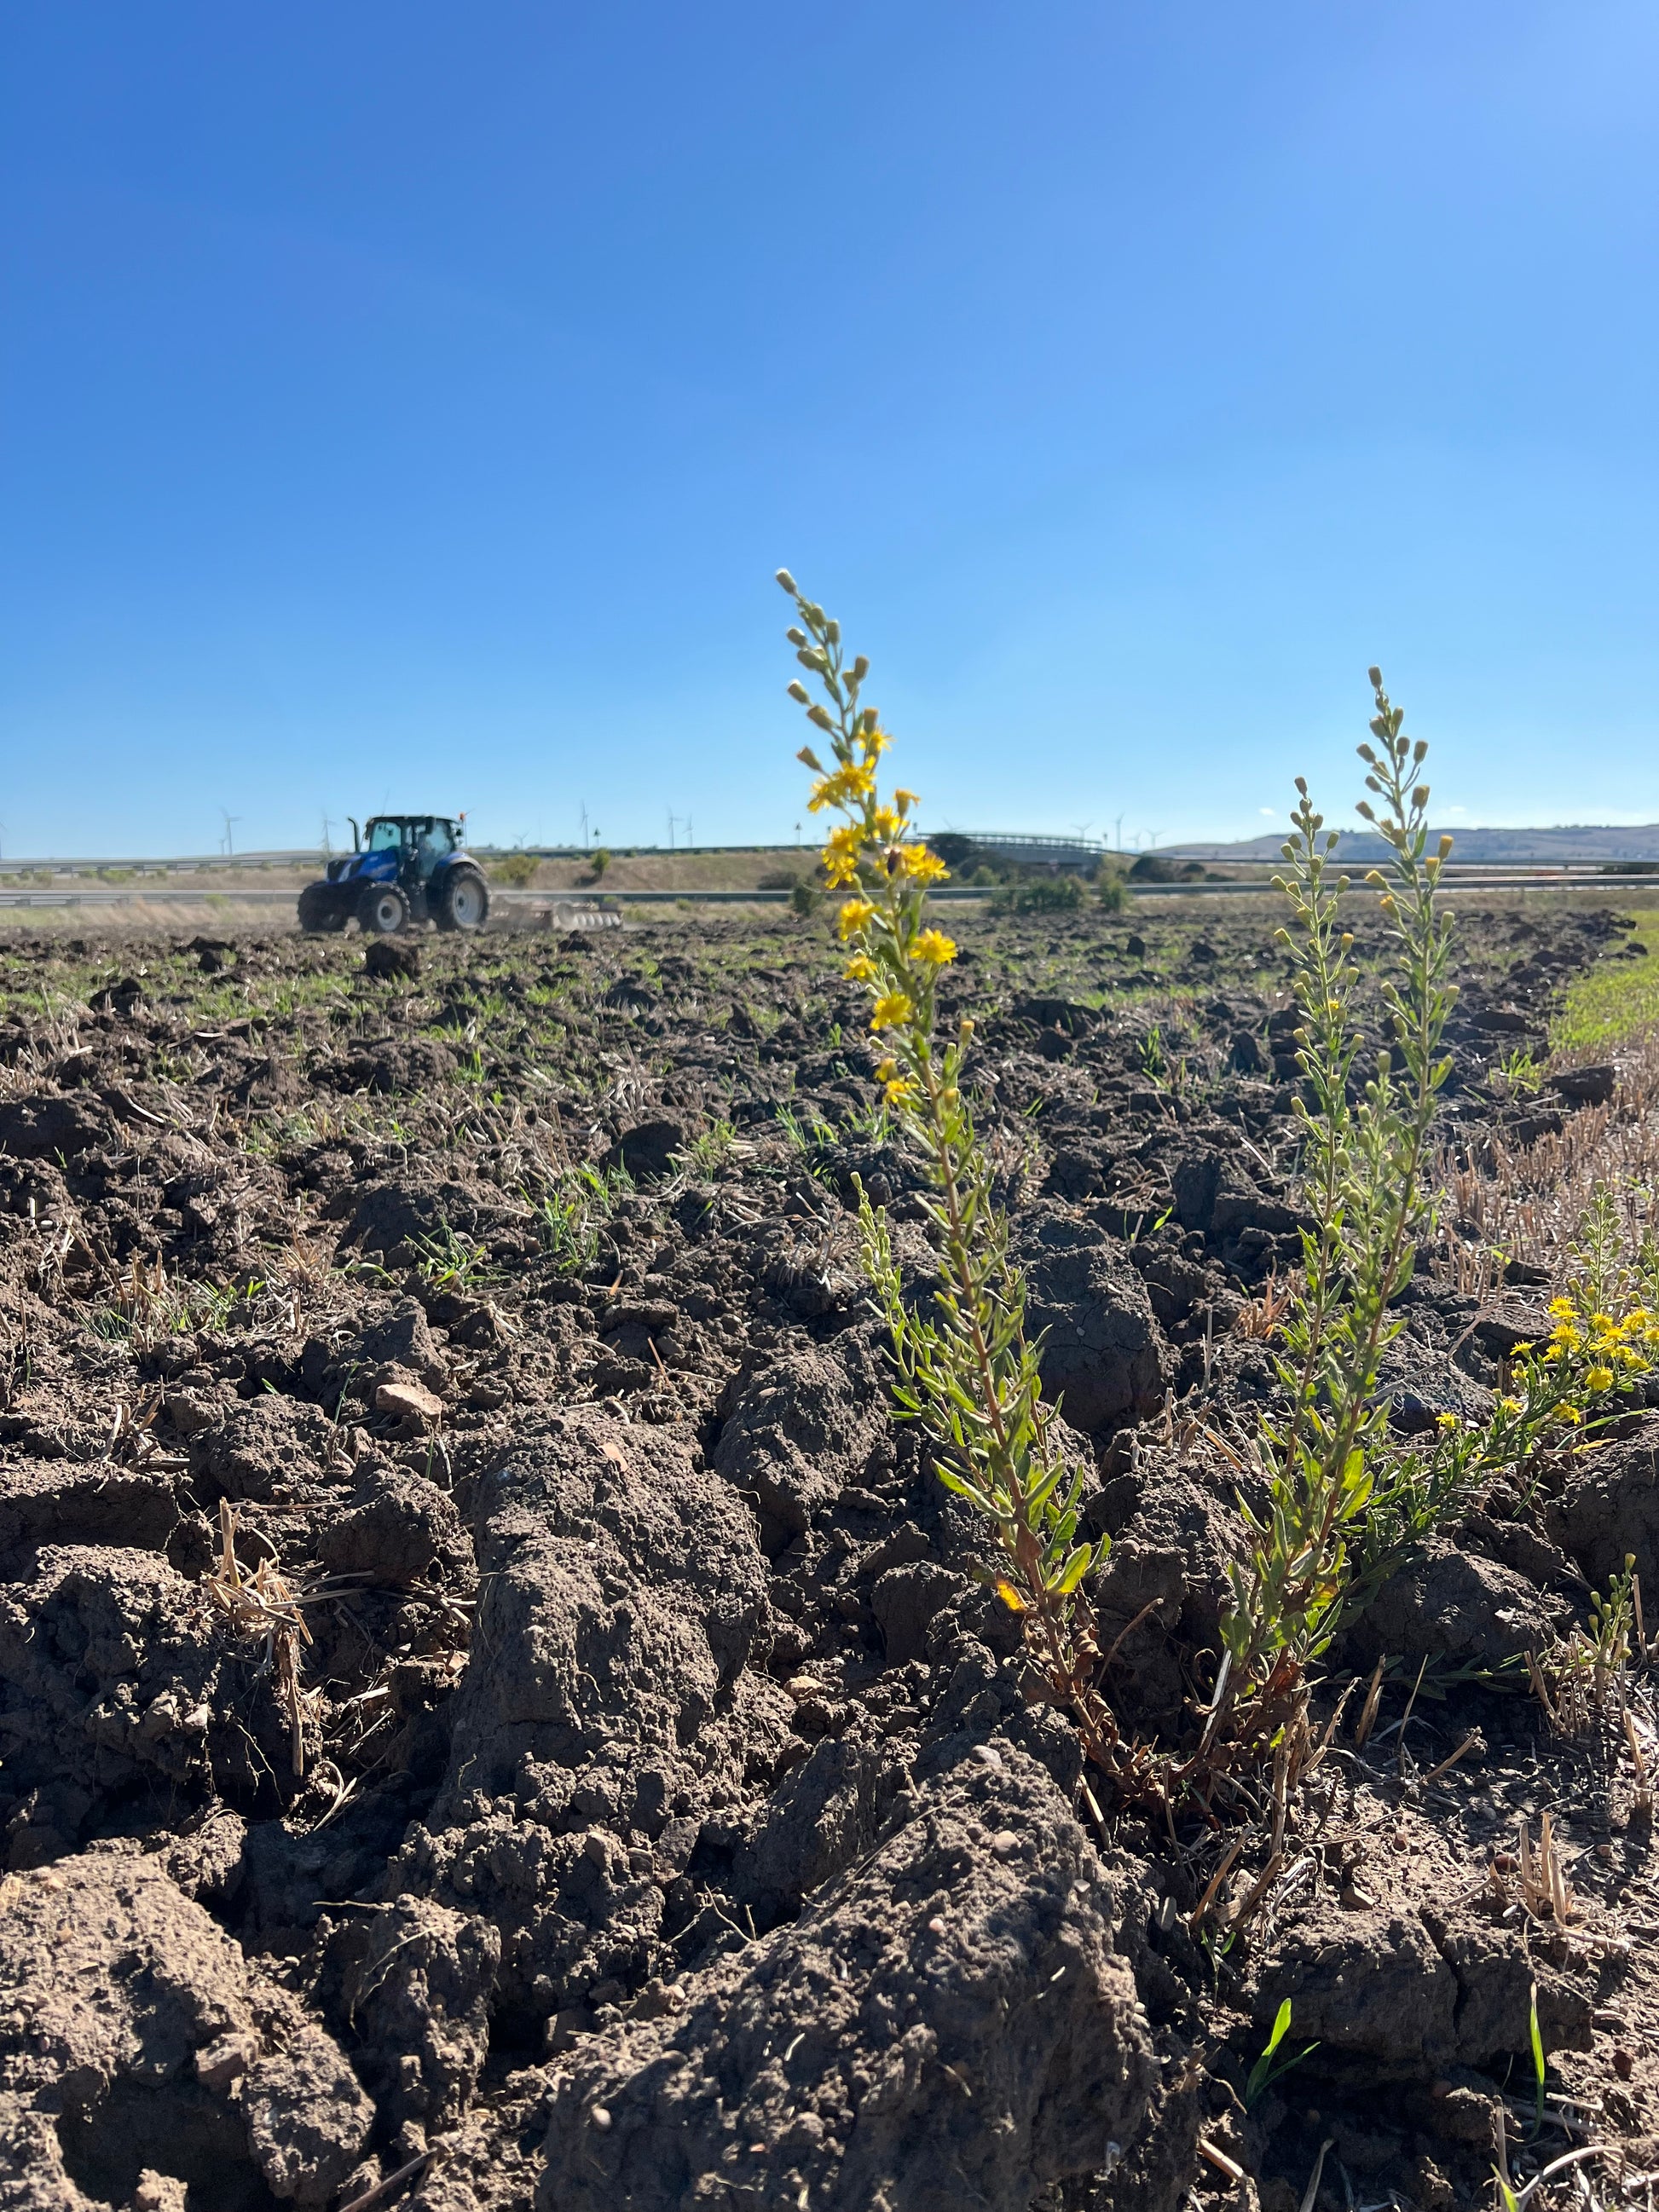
x,y
1616,1001
518,869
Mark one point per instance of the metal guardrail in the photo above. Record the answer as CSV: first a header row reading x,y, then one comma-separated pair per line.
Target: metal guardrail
x,y
108,896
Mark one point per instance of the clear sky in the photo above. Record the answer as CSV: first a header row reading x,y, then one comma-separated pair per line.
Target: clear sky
x,y
407,405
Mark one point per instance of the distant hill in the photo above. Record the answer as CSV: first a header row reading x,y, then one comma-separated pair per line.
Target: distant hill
x,y
1580,843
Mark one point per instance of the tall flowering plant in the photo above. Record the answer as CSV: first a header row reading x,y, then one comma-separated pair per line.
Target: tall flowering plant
x,y
966,1371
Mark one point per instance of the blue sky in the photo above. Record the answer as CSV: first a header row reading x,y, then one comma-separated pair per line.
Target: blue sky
x,y
408,405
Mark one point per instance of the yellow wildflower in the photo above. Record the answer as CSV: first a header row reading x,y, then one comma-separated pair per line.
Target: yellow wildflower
x,y
1563,1309
901,1090
853,915
875,744
1599,1378
841,854
891,1010
933,949
1570,1414
1512,1406
904,801
921,864
1445,1420
862,968
1010,1596
885,823
847,787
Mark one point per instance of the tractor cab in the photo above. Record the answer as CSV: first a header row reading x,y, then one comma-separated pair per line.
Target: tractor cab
x,y
402,869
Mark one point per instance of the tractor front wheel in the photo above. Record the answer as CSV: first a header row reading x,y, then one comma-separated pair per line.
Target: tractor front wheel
x,y
382,910
320,912
463,900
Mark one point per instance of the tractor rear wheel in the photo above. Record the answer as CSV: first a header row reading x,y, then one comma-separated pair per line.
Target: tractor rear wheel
x,y
320,912
463,900
382,910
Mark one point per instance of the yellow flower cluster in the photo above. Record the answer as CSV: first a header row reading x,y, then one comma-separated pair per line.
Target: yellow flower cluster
x,y
841,854
866,854
900,1088
847,787
1588,1355
1613,1348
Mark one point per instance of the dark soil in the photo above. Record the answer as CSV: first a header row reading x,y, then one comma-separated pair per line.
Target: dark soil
x,y
658,1818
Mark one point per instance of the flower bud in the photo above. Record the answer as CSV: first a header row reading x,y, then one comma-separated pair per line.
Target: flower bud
x,y
1374,677
799,692
810,759
794,635
1445,849
1302,785
821,717
787,582
1420,796
832,631
1419,751
860,669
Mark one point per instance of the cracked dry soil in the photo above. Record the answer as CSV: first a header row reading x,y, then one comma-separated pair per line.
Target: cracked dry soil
x,y
618,1794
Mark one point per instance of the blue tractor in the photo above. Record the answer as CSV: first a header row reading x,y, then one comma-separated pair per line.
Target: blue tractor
x,y
407,868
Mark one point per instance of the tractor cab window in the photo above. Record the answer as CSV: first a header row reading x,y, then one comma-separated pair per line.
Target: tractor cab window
x,y
385,837
432,844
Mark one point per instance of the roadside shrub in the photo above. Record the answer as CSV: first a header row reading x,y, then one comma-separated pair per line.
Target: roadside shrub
x,y
1112,891
958,852
1043,895
805,897
517,870
599,861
